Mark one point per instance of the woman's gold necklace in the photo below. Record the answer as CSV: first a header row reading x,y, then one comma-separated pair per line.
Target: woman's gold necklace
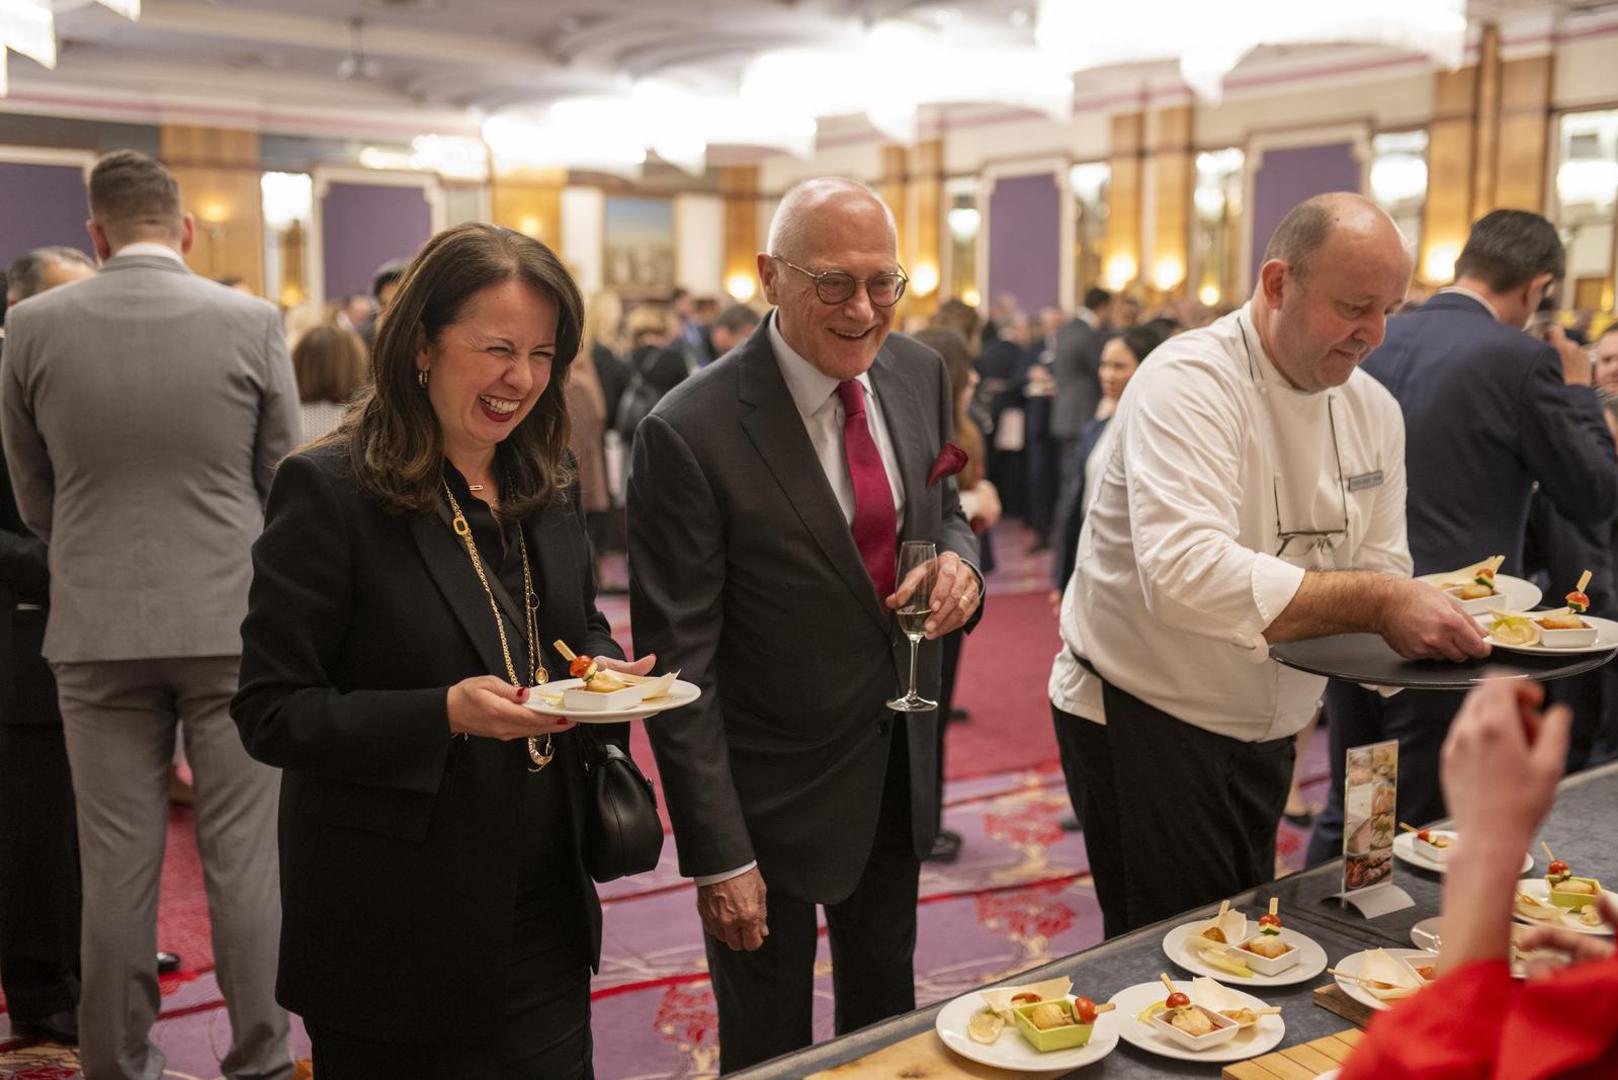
x,y
463,529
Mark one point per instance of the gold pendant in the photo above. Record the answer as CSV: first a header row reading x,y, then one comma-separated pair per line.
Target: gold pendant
x,y
539,759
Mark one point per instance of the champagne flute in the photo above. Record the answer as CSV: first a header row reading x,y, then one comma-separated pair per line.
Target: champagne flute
x,y
918,563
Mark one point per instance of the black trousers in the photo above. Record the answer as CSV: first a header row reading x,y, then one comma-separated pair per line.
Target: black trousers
x,y
766,997
1192,813
950,665
1419,719
1087,765
39,873
546,1034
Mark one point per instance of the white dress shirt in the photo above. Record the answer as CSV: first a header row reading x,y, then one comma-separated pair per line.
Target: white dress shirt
x,y
1176,579
148,247
815,394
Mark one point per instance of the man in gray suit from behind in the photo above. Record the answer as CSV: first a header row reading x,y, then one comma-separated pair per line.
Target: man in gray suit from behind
x,y
143,413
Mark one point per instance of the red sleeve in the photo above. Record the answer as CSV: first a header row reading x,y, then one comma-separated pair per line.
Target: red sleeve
x,y
1449,1031
1477,1023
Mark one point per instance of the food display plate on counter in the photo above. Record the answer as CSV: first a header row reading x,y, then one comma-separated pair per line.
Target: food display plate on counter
x,y
1260,1038
548,698
1311,959
1540,891
1397,965
1012,1051
1407,850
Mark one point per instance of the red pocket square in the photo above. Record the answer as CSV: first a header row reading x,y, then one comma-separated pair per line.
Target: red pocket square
x,y
950,460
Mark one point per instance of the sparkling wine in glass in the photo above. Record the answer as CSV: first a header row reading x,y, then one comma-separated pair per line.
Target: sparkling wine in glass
x,y
918,565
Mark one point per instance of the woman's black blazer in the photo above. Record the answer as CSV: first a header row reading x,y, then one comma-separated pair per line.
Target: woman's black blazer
x,y
398,841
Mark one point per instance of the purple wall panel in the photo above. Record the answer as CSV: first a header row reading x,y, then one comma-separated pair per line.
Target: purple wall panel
x,y
1288,176
41,205
362,226
1025,240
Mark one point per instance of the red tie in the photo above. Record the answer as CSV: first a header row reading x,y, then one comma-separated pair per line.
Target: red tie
x,y
876,527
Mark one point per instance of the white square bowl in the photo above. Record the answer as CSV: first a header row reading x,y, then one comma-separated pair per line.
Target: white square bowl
x,y
1265,965
1224,1029
581,700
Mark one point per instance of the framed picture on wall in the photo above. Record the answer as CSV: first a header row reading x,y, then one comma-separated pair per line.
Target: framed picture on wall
x,y
638,245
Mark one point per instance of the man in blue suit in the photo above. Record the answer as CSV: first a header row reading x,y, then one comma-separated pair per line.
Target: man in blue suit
x,y
1489,411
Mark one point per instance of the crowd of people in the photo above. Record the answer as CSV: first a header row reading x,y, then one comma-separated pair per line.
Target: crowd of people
x,y
334,551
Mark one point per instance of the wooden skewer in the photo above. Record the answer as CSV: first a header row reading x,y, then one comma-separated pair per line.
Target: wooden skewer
x,y
1548,854
1407,827
1584,579
1167,983
1108,1007
1268,1010
1346,975
567,653
1275,902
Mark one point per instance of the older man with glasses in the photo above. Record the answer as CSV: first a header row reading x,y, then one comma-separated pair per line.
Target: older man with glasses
x,y
769,498
1253,494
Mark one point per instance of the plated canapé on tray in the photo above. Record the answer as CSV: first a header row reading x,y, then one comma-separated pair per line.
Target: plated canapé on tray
x,y
1567,629
1562,899
1481,586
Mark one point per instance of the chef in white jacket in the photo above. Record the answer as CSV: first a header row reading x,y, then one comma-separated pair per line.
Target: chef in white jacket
x,y
1253,492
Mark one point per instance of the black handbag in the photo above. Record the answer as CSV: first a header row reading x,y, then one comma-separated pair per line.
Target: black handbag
x,y
622,832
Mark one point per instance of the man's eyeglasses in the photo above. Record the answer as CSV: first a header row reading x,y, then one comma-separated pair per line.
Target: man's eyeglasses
x,y
836,286
1313,541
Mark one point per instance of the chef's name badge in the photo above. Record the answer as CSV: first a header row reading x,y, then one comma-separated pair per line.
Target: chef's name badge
x,y
1365,480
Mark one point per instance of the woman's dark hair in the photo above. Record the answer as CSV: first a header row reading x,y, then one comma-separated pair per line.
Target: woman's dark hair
x,y
1142,339
329,362
392,434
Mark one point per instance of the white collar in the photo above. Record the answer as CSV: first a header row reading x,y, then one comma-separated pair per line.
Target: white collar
x,y
1088,317
810,387
1470,295
1257,355
149,247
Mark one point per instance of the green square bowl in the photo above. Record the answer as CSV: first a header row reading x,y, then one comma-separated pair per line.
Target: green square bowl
x,y
1067,1037
1575,901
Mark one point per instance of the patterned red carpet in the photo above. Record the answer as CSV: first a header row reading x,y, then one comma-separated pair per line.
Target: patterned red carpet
x,y
1018,896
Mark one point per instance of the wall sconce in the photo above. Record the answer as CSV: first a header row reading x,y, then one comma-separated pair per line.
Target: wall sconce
x,y
742,287
925,279
213,213
1120,271
1209,294
1439,265
1168,273
529,226
971,297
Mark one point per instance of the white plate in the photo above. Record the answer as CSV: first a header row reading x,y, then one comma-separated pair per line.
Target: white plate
x,y
1311,959
1404,847
540,699
1425,934
1540,890
1511,594
1606,638
1261,1038
1350,965
1011,1050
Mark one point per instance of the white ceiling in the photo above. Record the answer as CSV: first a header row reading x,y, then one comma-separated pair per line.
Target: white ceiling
x,y
293,65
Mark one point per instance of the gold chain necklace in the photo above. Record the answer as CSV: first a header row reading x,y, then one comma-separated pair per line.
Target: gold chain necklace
x,y
537,673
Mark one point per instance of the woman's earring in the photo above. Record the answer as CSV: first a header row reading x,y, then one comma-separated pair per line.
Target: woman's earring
x,y
421,378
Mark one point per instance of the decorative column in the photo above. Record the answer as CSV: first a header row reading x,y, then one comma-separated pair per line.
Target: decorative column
x,y
1173,167
218,172
1121,266
739,186
529,201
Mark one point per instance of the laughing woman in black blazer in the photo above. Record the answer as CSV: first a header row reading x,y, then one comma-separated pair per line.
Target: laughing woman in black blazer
x,y
414,566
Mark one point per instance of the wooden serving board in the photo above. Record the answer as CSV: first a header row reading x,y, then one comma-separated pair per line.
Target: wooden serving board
x,y
1302,1062
920,1057
1331,998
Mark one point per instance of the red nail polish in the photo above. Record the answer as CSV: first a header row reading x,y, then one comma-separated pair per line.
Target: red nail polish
x,y
522,694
